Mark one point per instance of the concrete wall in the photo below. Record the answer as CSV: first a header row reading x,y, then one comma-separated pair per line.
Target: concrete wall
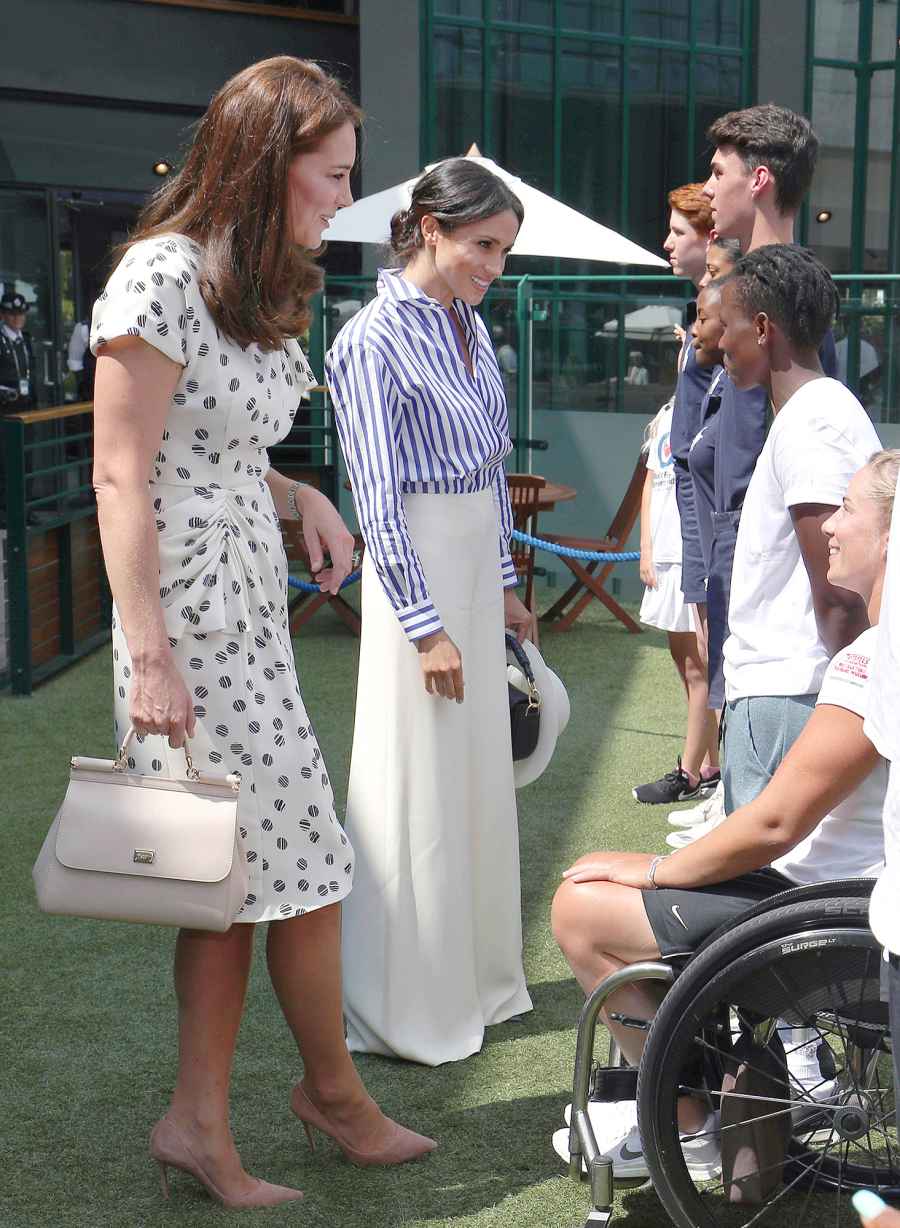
x,y
389,92
140,52
781,53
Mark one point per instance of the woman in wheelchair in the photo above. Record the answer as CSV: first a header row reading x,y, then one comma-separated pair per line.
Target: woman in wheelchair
x,y
818,819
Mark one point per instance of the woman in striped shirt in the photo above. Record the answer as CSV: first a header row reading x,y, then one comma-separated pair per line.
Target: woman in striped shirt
x,y
432,936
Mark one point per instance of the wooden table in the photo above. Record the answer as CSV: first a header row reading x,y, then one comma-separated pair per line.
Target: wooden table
x,y
553,493
303,606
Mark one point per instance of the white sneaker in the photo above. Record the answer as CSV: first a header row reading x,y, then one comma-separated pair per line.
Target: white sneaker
x,y
806,1116
627,1154
611,1121
687,835
701,1152
610,1118
699,814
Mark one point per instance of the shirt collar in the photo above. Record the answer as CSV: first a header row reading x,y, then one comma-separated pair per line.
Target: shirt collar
x,y
11,333
394,285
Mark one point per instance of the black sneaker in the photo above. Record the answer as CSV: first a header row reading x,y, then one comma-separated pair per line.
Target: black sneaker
x,y
673,787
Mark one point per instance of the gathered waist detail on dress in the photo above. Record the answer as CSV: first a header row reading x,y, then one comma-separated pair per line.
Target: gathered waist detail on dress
x,y
209,491
220,555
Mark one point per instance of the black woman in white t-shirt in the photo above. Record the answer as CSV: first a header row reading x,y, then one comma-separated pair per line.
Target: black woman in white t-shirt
x,y
818,819
786,619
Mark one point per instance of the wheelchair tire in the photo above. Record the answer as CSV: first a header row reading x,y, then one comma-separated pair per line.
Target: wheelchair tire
x,y
814,963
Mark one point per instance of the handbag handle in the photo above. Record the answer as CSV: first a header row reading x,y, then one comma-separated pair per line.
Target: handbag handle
x,y
121,762
534,695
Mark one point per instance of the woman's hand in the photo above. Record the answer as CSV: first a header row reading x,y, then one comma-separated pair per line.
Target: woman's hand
x,y
647,570
159,701
325,532
874,1211
441,666
629,869
517,616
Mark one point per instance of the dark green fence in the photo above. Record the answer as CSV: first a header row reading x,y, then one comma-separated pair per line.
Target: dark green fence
x,y
55,586
58,600
565,343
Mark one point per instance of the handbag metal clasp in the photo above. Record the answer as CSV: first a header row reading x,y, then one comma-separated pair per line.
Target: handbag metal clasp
x,y
534,698
144,857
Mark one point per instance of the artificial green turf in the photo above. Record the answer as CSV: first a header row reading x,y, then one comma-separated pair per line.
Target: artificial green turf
x,y
88,1010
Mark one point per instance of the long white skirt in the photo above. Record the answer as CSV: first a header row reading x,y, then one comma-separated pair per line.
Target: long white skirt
x,y
432,930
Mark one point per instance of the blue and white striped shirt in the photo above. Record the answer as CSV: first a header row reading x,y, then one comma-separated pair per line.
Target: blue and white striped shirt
x,y
412,420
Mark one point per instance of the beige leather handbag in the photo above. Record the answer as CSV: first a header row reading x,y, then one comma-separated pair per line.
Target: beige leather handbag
x,y
125,847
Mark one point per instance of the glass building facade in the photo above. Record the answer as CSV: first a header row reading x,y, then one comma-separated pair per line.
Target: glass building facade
x,y
853,101
604,103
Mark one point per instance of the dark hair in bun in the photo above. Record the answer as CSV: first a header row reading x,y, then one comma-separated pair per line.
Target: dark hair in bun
x,y
456,193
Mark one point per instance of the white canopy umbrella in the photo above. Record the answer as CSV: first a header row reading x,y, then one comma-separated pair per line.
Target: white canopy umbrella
x,y
645,323
550,228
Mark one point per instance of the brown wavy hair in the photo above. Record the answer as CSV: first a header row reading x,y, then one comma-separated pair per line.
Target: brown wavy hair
x,y
231,196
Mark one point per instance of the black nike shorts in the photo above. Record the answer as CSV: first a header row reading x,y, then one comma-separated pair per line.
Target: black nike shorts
x,y
681,918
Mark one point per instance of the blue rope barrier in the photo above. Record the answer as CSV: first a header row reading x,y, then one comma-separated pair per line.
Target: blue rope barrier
x,y
305,587
593,556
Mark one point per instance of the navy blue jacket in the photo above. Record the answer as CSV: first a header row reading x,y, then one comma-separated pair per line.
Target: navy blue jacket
x,y
690,390
701,464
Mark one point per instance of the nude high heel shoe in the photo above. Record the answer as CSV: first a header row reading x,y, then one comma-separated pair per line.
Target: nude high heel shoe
x,y
169,1149
402,1144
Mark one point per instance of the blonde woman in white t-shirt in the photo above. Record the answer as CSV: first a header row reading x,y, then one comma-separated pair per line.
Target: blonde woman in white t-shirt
x,y
664,607
818,819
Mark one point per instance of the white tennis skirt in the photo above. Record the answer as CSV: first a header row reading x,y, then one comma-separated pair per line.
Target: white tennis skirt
x,y
664,606
432,930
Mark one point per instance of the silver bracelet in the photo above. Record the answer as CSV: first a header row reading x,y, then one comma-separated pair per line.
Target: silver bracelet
x,y
292,500
652,868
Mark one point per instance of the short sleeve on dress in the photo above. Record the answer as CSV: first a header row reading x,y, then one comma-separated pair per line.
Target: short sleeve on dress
x,y
146,297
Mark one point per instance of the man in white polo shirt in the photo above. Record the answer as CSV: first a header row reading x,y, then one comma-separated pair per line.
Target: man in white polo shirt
x,y
785,620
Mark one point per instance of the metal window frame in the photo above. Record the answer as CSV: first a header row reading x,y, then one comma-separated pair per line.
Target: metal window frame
x,y
863,66
488,26
556,32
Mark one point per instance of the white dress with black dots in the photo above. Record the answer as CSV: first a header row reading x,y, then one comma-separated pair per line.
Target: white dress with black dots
x,y
223,579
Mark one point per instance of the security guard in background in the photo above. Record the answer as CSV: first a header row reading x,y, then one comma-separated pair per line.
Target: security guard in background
x,y
17,382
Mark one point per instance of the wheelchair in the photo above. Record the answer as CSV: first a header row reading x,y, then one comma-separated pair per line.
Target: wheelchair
x,y
804,958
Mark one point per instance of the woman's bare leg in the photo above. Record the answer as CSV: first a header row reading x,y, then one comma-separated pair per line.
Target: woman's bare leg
x,y
701,742
601,927
304,958
211,972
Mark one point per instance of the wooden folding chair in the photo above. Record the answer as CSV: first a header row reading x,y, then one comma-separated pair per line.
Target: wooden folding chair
x,y
591,577
524,495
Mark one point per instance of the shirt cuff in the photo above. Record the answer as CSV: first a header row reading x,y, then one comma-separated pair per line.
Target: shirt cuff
x,y
420,620
508,572
694,595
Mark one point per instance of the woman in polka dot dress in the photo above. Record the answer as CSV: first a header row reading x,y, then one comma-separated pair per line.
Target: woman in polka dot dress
x,y
198,373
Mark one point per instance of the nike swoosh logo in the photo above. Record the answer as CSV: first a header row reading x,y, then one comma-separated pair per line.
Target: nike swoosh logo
x,y
627,1154
677,915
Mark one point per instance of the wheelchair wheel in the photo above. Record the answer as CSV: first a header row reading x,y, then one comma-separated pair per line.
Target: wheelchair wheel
x,y
812,965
